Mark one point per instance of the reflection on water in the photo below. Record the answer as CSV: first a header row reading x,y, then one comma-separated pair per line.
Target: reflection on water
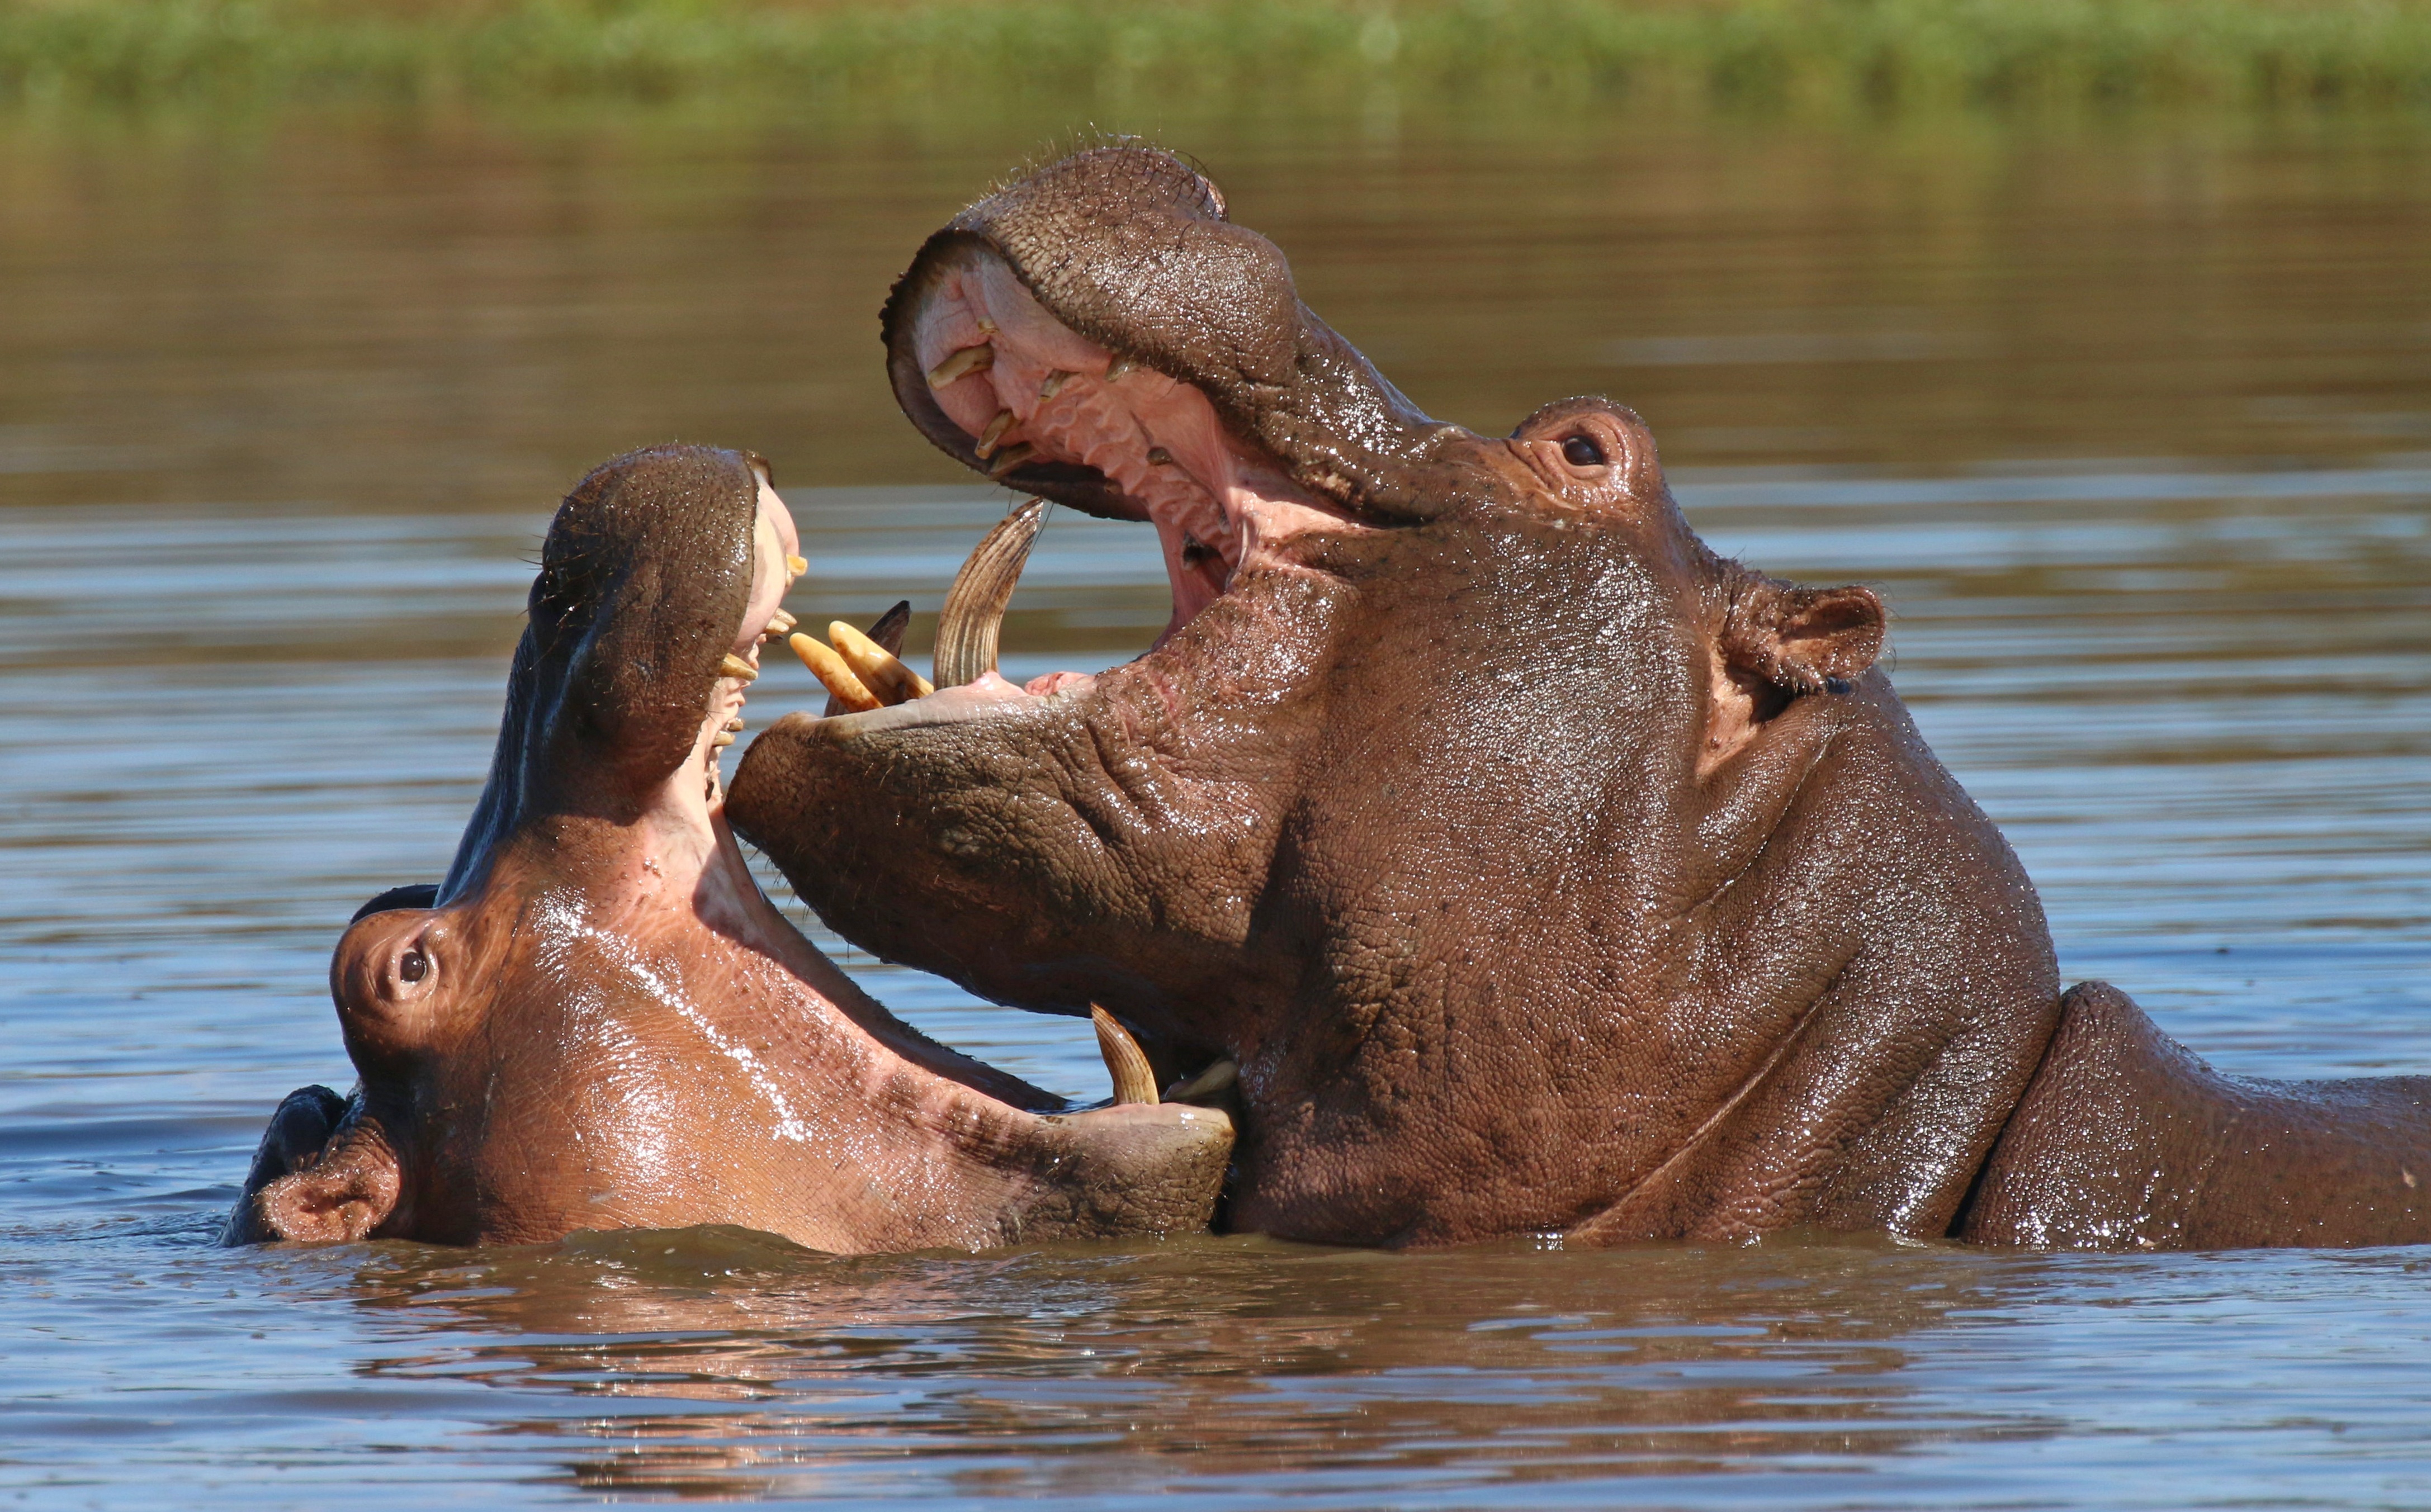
x,y
2125,423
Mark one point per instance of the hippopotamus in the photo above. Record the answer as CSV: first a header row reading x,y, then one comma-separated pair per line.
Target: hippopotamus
x,y
598,1021
1523,865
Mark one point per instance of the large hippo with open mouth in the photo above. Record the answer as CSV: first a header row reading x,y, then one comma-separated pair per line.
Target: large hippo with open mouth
x,y
1531,867
598,1021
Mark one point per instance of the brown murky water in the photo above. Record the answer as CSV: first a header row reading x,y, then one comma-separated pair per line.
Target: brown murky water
x,y
2131,421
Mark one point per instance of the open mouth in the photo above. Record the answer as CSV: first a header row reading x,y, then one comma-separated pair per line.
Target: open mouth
x,y
1029,391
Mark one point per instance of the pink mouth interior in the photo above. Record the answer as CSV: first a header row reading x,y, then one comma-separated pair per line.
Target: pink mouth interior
x,y
1215,504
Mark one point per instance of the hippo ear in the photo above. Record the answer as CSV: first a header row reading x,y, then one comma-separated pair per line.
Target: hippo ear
x,y
340,1196
1800,639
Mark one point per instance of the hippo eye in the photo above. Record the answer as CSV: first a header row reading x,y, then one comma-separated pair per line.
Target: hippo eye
x,y
1582,450
414,966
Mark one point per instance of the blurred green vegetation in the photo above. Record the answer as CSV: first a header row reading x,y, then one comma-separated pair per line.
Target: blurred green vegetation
x,y
939,55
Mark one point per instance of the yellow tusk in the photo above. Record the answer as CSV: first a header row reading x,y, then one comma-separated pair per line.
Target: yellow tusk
x,y
1010,459
1125,1061
880,670
961,365
734,666
830,668
995,433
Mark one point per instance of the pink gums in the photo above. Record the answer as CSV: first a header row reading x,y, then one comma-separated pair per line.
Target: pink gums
x,y
1215,504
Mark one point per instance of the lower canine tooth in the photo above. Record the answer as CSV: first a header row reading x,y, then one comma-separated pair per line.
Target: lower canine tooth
x,y
995,433
1011,457
974,612
734,666
1125,1061
961,364
830,668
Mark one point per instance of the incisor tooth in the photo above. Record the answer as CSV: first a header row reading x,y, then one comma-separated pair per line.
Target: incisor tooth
x,y
995,433
734,726
1125,1061
880,670
1117,368
887,630
1052,384
962,364
734,666
721,740
780,624
1159,457
795,565
1009,458
830,668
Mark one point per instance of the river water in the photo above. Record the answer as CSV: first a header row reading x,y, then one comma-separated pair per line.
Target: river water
x,y
2130,420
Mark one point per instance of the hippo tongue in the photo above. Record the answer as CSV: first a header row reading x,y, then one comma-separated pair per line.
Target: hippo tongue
x,y
1128,250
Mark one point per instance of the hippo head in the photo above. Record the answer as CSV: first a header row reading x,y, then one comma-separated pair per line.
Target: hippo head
x,y
1527,861
597,1020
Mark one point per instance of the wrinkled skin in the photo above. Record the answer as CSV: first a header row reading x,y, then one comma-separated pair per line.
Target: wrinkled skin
x,y
1542,871
597,1020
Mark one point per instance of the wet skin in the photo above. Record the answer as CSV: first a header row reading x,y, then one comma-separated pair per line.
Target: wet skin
x,y
597,1020
1536,868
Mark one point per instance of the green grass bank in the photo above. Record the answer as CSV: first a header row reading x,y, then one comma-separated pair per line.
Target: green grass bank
x,y
1870,55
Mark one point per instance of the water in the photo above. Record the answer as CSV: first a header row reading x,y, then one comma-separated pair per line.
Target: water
x,y
2128,420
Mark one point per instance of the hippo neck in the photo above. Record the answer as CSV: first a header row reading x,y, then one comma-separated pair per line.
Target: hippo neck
x,y
676,866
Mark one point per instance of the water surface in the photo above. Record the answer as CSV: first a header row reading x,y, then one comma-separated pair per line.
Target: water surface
x,y
2127,422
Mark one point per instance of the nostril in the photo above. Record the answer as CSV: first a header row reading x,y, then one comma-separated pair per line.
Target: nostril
x,y
1583,450
414,966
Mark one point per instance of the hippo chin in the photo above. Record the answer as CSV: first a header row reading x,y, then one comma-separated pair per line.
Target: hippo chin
x,y
597,1020
1536,868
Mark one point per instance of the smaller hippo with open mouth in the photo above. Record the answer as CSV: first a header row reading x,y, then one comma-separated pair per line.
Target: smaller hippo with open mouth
x,y
598,1021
